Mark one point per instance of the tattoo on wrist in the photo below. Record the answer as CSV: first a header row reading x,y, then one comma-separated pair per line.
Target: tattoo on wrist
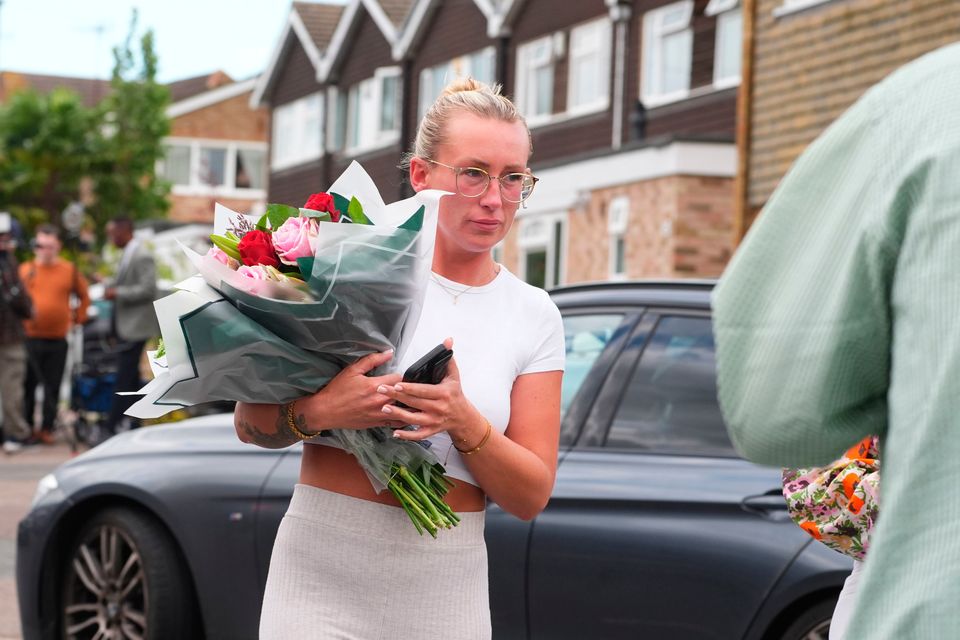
x,y
279,439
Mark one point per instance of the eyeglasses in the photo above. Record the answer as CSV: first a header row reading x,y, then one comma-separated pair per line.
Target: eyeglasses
x,y
473,182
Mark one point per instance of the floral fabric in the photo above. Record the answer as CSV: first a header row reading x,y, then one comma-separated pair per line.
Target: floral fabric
x,y
838,504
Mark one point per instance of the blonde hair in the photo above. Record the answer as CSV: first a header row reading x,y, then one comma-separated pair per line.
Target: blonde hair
x,y
462,95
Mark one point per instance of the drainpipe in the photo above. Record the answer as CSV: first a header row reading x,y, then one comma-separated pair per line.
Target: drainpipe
x,y
744,128
503,67
620,15
408,117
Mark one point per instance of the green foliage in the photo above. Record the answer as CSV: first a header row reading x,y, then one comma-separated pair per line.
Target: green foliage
x,y
45,149
50,145
131,142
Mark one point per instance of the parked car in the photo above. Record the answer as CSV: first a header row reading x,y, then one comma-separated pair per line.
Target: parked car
x,y
656,528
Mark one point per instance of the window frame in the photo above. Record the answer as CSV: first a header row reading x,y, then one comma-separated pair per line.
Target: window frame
x,y
603,50
362,130
195,187
526,67
723,11
300,119
653,36
551,240
466,63
618,220
795,6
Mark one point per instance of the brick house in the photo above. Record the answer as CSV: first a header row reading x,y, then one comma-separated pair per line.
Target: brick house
x,y
626,191
333,89
216,150
807,61
296,99
366,97
634,141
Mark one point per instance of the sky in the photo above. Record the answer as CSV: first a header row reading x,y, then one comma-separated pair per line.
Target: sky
x,y
193,37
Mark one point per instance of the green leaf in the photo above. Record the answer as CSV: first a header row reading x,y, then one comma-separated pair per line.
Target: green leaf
x,y
262,223
226,245
277,214
414,222
321,216
356,214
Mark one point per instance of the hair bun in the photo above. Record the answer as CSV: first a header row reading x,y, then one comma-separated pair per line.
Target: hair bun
x,y
469,84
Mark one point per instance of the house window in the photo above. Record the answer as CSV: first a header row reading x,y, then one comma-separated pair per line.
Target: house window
x,y
215,167
478,65
728,47
535,78
541,250
368,113
618,213
667,53
297,132
176,164
589,84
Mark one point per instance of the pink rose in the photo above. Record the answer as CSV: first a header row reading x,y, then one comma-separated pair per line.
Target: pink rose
x,y
296,238
256,272
217,254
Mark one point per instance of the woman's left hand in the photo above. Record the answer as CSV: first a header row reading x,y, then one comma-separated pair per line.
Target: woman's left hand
x,y
433,407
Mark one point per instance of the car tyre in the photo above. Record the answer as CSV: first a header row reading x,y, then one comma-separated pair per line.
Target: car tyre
x,y
123,578
812,624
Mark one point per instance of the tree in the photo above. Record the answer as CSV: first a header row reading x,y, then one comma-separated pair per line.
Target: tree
x,y
46,144
131,138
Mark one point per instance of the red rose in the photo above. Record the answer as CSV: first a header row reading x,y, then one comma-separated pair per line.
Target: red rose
x,y
323,202
256,247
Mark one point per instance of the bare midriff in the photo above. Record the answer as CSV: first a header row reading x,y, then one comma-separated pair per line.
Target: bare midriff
x,y
336,470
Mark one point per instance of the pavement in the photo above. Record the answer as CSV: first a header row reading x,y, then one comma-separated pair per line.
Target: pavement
x,y
19,474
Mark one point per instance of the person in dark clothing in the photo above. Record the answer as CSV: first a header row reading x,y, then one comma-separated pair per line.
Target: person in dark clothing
x,y
15,307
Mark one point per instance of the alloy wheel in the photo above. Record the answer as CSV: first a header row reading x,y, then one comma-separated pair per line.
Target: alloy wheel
x,y
106,595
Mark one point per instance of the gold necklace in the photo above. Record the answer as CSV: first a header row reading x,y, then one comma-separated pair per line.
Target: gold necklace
x,y
456,293
453,293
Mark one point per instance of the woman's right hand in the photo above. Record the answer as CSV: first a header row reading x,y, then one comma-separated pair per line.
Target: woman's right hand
x,y
350,400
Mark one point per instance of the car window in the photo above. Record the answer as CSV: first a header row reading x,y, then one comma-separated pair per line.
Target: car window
x,y
670,403
585,336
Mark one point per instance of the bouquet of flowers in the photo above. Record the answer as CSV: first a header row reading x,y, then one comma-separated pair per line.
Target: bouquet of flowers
x,y
284,302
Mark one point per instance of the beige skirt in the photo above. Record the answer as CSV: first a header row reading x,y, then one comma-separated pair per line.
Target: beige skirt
x,y
351,569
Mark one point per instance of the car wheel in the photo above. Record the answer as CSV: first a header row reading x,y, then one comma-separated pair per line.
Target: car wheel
x,y
812,624
123,578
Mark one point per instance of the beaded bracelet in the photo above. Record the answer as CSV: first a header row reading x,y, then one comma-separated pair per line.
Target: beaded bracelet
x,y
292,425
483,441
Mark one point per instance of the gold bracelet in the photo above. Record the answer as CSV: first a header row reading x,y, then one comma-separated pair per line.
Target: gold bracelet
x,y
292,425
483,441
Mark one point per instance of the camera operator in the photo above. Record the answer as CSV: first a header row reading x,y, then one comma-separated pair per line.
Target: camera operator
x,y
15,307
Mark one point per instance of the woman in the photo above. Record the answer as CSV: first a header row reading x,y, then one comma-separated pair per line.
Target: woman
x,y
347,563
838,505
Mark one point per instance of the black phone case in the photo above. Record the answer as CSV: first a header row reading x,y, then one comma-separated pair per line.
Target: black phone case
x,y
431,368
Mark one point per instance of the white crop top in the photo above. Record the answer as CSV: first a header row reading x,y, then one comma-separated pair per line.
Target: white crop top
x,y
501,330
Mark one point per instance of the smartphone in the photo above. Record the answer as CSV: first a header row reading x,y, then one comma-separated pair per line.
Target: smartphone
x,y
431,368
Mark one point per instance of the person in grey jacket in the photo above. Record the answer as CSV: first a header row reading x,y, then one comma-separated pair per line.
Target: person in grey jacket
x,y
132,290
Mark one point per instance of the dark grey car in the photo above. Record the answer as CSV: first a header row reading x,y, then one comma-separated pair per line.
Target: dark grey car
x,y
656,528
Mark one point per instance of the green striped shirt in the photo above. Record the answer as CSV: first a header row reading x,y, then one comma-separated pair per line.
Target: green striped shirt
x,y
839,317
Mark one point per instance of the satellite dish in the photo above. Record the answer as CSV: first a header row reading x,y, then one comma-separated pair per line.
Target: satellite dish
x,y
72,217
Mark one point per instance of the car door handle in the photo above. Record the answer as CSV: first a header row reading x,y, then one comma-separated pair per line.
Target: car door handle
x,y
771,503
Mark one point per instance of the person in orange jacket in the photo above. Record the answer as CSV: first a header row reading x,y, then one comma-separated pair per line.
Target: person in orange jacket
x,y
60,300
